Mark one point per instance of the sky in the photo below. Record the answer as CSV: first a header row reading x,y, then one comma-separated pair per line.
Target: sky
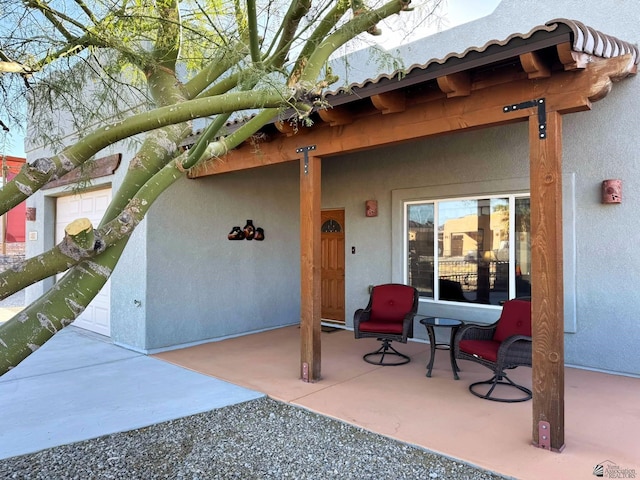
x,y
463,11
452,14
13,145
456,12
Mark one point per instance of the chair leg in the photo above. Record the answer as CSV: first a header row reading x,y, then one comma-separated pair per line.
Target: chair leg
x,y
500,379
384,350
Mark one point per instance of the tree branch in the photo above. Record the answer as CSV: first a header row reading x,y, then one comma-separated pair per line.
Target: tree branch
x,y
218,66
87,11
168,37
55,17
329,21
33,326
81,244
254,40
359,24
297,10
33,176
223,86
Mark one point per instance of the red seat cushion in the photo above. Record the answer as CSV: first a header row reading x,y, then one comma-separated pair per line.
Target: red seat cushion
x,y
390,303
394,328
487,349
514,320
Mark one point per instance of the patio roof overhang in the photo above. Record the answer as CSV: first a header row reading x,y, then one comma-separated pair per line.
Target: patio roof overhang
x,y
557,68
564,61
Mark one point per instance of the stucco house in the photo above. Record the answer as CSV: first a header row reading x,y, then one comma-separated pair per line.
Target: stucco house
x,y
513,119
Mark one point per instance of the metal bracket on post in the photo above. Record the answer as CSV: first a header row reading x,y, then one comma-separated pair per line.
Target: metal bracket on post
x,y
542,113
544,435
306,151
305,372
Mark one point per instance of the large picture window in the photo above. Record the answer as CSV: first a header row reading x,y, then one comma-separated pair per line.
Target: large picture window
x,y
477,248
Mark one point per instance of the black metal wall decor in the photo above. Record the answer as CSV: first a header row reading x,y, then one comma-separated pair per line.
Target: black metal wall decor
x,y
248,232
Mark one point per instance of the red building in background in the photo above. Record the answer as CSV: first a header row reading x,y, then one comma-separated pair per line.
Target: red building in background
x,y
14,221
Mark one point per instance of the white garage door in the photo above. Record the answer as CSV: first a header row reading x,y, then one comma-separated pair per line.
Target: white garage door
x,y
91,205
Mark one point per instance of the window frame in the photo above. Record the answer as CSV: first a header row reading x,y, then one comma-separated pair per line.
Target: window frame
x,y
511,201
474,312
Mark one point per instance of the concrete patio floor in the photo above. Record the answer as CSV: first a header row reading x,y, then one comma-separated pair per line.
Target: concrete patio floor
x,y
602,411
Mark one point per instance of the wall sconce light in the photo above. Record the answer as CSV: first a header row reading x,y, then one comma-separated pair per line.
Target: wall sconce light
x,y
371,208
612,191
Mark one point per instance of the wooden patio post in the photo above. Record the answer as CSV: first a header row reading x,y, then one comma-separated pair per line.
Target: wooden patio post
x,y
547,282
310,285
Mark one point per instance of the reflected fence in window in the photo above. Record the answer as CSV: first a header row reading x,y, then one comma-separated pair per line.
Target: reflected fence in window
x,y
473,246
462,280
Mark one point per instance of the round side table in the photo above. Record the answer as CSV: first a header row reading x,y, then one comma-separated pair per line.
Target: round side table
x,y
431,323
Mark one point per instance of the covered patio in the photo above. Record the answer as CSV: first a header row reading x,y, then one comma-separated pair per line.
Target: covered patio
x,y
556,69
438,413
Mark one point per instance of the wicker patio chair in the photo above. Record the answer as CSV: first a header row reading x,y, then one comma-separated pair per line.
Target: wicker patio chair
x,y
502,345
388,317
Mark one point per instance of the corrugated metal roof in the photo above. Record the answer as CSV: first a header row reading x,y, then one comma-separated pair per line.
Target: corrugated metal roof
x,y
583,39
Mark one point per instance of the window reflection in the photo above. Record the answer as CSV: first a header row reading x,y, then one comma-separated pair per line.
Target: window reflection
x,y
472,262
523,247
420,248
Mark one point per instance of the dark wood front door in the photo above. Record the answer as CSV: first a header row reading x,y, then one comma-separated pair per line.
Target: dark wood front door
x,y
332,270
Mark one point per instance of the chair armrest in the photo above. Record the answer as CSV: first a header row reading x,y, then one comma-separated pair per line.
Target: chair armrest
x,y
516,338
361,315
407,325
515,350
475,332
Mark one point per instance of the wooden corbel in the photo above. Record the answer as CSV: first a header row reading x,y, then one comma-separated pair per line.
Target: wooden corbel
x,y
335,116
390,102
285,127
455,85
533,64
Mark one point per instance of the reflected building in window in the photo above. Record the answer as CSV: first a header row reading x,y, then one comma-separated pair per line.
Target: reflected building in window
x,y
475,261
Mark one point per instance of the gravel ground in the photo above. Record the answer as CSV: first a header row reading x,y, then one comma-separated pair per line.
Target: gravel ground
x,y
260,439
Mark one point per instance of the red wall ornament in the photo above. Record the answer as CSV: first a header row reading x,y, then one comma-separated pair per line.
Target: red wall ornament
x,y
612,191
371,208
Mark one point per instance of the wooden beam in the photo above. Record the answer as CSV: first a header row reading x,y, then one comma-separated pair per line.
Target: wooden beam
x,y
100,167
533,64
418,121
564,92
310,285
547,305
455,85
390,102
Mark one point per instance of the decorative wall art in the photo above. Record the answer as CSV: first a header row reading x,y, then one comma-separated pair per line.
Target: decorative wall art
x,y
371,208
248,232
612,191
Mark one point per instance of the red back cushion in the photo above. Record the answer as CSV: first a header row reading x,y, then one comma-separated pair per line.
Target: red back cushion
x,y
390,303
515,320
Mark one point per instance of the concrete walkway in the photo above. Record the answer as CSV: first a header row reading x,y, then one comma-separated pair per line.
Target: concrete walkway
x,y
80,386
